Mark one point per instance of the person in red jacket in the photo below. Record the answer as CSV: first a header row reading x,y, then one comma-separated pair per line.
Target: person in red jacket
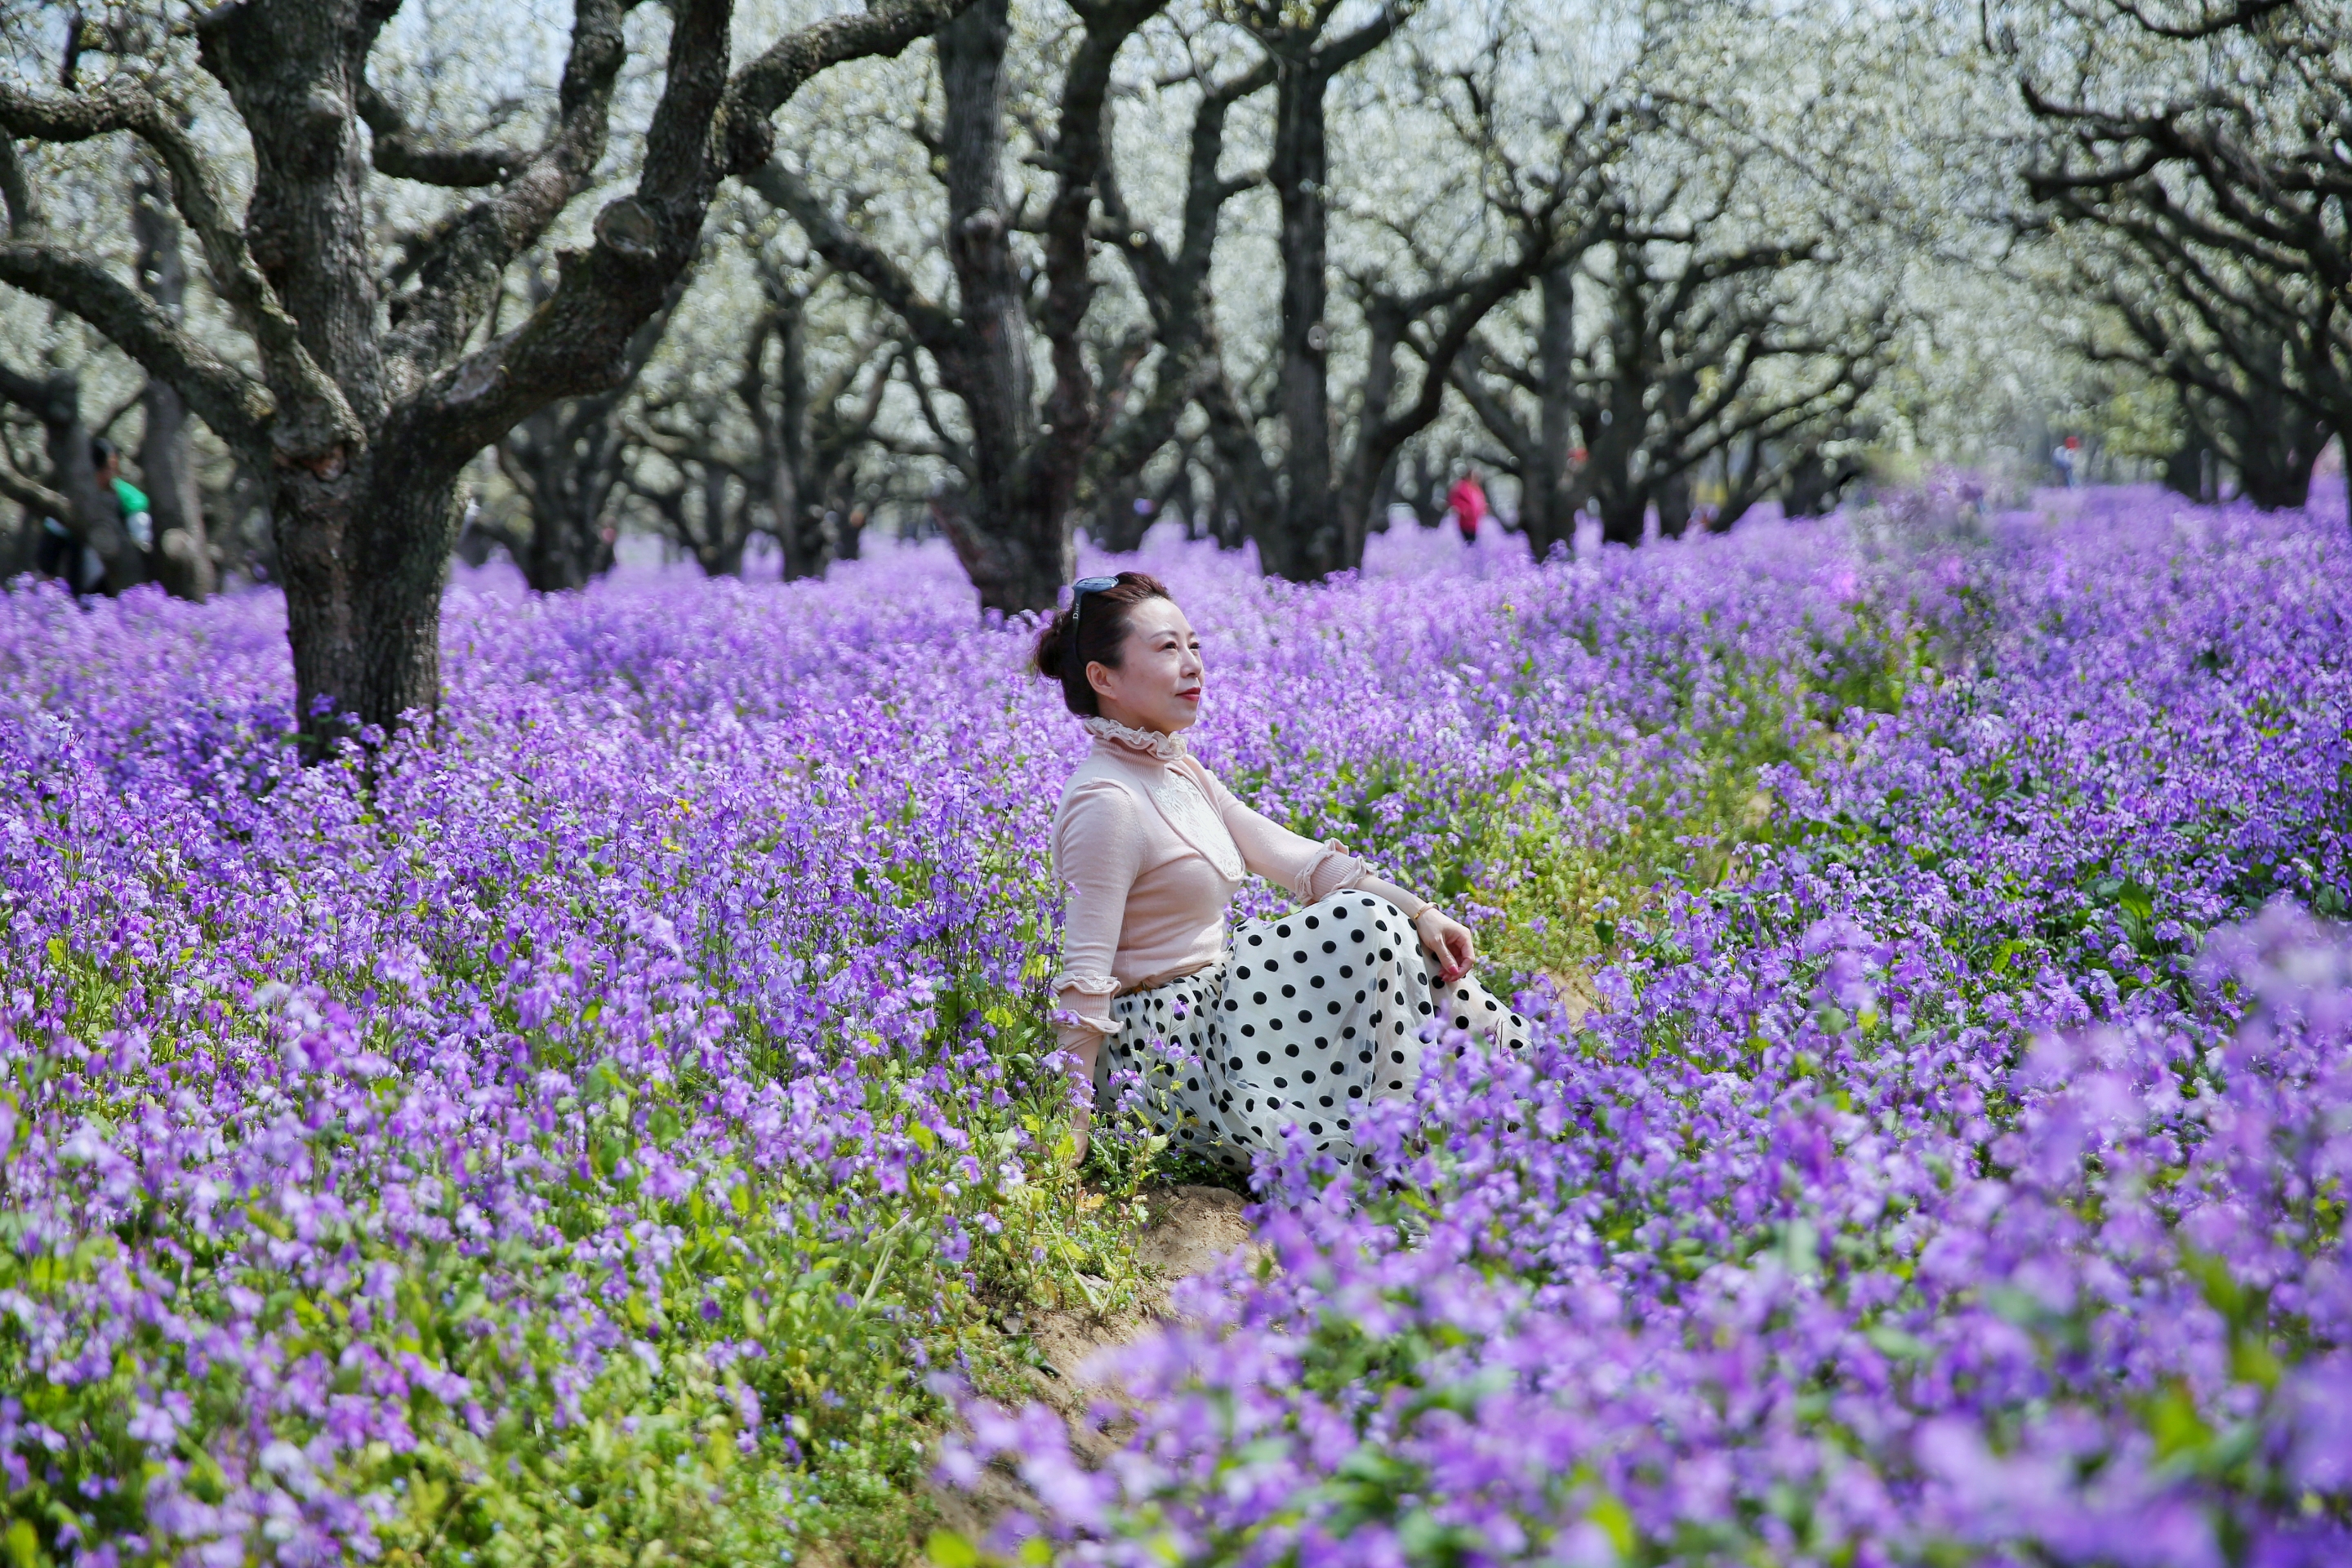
x,y
1468,500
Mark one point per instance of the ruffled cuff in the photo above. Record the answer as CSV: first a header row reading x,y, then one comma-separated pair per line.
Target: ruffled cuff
x,y
1083,1002
1331,870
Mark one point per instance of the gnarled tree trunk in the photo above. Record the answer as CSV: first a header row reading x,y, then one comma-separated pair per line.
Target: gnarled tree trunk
x,y
1016,553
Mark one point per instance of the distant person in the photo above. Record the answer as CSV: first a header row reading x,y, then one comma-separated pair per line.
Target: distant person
x,y
1468,500
137,520
81,568
2067,459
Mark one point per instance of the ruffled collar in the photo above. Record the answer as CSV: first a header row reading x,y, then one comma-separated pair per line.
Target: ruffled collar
x,y
1167,747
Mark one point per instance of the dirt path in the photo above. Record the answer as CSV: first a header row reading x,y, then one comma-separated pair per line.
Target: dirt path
x,y
1192,1230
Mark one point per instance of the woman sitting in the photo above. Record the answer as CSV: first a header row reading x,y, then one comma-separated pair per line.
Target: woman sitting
x,y
1301,1021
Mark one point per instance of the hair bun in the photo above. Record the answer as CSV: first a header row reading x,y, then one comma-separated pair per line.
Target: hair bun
x,y
1053,645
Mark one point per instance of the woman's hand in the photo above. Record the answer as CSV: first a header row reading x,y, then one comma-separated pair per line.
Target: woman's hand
x,y
1448,941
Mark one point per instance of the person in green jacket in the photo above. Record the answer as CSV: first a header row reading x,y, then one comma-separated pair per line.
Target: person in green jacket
x,y
80,567
137,520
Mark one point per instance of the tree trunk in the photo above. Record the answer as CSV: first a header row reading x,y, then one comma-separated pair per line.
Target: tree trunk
x,y
1424,491
1358,487
1246,479
570,545
362,592
2189,469
363,564
1224,522
1016,551
2277,484
783,439
1670,486
19,543
183,551
1616,474
1306,541
1813,486
1547,502
2278,444
1614,447
565,461
728,536
1674,505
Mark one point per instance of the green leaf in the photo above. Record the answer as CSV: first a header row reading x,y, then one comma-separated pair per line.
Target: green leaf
x,y
2172,1419
1616,1522
1893,1341
949,1550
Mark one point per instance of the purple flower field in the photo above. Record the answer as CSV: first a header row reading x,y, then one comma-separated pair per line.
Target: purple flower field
x,y
627,1121
1958,1178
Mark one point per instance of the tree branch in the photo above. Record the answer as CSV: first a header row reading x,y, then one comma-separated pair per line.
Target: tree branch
x,y
1333,58
765,85
122,105
2244,14
33,494
702,125
17,190
398,153
933,326
238,409
462,269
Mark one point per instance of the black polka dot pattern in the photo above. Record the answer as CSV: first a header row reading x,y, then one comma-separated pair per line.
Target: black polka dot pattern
x,y
1230,1057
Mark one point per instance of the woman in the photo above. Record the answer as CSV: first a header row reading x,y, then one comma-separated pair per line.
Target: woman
x,y
1301,1021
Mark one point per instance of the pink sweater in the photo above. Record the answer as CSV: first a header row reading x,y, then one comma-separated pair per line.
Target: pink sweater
x,y
1152,848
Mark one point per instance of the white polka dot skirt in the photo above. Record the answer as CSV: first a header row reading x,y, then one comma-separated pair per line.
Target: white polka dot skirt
x,y
1309,1018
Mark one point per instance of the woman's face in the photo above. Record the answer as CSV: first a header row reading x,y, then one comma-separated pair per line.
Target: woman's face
x,y
1157,684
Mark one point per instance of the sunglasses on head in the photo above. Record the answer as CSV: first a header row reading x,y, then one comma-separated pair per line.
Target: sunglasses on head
x,y
1080,589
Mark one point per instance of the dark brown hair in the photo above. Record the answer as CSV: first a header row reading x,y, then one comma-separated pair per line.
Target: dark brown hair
x,y
1100,630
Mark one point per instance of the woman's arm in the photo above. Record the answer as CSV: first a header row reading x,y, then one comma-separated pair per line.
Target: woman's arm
x,y
1098,851
1314,871
1308,870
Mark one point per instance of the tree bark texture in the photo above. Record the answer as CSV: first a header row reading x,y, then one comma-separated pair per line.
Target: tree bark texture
x,y
1305,542
1017,558
1546,496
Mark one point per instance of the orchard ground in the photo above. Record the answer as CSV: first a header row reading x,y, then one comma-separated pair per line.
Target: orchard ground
x,y
630,1120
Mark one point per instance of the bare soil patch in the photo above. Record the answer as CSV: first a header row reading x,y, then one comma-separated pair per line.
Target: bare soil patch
x,y
1192,1229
